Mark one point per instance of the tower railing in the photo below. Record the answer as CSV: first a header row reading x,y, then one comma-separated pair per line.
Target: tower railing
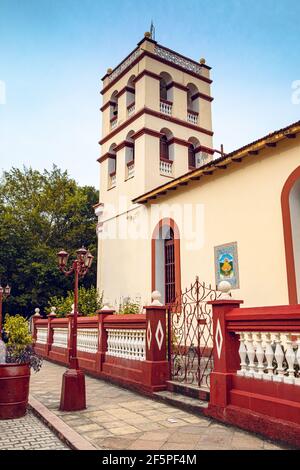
x,y
166,107
192,116
166,167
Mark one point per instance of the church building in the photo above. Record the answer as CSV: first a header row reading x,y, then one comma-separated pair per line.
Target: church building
x,y
172,207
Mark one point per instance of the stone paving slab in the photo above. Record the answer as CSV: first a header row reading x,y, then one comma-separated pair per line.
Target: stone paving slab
x,y
117,418
28,433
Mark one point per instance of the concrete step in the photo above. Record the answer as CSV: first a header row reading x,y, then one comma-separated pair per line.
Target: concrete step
x,y
193,391
193,405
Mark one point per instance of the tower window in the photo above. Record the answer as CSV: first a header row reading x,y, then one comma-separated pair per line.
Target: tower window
x,y
164,148
192,157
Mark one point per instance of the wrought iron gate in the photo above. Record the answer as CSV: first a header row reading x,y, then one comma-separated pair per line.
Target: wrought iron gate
x,y
190,335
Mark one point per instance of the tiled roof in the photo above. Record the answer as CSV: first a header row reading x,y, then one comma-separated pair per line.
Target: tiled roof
x,y
245,152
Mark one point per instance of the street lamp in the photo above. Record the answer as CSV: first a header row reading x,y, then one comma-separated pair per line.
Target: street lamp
x,y
4,293
73,385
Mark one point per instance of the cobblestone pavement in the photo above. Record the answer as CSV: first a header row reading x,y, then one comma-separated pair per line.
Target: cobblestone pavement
x,y
120,419
28,433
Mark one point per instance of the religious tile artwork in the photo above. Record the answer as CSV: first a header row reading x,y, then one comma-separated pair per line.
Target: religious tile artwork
x,y
226,264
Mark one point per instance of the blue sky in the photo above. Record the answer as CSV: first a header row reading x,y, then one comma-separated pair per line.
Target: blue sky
x,y
53,54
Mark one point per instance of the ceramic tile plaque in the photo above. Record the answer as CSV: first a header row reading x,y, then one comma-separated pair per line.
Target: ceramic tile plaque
x,y
226,264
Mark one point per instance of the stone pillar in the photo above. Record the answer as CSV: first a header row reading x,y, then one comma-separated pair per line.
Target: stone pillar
x,y
102,337
35,317
225,353
51,316
156,364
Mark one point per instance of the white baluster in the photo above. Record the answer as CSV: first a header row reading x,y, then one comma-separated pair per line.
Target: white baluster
x,y
243,354
269,353
290,358
279,356
297,380
260,357
251,355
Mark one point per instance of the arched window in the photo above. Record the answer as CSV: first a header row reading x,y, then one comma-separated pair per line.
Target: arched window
x,y
112,166
114,109
192,157
130,96
166,152
164,148
129,155
166,93
192,103
193,153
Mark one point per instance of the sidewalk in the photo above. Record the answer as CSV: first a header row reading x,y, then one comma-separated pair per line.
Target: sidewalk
x,y
120,419
28,433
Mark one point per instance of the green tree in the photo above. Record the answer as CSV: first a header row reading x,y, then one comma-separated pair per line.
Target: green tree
x,y
40,214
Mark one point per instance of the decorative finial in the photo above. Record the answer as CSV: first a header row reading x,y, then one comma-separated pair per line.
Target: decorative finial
x,y
52,312
147,34
152,30
37,312
106,305
156,295
202,61
109,71
225,288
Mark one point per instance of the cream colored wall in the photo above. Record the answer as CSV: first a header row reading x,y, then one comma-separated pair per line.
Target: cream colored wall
x,y
240,204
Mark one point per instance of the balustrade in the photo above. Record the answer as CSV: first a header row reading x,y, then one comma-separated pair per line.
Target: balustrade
x,y
113,123
165,167
41,335
112,180
87,340
131,109
166,107
270,356
126,343
130,169
60,337
192,117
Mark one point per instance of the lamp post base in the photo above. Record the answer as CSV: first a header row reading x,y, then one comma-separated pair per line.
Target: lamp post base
x,y
73,391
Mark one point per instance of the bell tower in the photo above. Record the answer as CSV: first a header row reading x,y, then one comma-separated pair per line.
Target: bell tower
x,y
156,120
156,123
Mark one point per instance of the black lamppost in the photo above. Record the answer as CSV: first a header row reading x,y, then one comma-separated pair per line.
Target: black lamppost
x,y
4,293
73,386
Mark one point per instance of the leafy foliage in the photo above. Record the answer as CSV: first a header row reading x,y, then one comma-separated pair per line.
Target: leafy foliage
x,y
129,306
19,344
41,213
89,301
17,331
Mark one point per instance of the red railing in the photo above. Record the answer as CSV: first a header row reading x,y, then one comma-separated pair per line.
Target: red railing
x,y
127,349
255,383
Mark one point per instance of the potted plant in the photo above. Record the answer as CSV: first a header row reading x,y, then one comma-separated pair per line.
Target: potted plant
x,y
15,372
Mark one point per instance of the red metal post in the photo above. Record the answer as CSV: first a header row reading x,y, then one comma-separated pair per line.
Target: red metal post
x,y
73,394
73,323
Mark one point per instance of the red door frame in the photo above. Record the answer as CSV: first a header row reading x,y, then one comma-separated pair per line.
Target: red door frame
x,y
288,236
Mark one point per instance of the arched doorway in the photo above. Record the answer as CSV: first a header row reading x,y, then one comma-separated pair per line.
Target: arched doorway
x,y
166,276
290,203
